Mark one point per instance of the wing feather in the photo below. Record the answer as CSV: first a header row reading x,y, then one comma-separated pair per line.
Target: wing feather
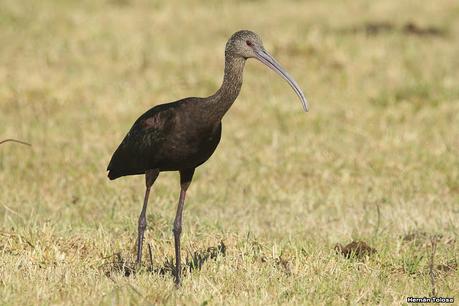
x,y
137,151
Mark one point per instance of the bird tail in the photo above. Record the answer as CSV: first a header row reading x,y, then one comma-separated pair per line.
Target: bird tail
x,y
113,175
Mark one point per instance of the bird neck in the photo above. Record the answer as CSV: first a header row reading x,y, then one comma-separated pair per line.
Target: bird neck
x,y
221,101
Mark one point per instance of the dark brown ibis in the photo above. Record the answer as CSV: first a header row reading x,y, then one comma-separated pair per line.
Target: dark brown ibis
x,y
181,135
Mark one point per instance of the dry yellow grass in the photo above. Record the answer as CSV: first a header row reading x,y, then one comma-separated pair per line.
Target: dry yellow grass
x,y
283,187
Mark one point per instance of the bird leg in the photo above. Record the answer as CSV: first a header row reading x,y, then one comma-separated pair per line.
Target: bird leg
x,y
150,177
185,180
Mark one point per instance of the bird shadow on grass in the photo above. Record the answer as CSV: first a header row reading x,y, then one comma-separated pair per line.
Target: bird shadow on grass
x,y
194,261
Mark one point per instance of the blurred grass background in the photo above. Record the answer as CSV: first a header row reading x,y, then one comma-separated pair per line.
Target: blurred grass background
x,y
282,188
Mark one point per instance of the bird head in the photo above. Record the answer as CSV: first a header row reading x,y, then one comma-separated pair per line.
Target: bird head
x,y
247,44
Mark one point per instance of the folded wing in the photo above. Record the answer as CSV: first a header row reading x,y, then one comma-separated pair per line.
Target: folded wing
x,y
138,150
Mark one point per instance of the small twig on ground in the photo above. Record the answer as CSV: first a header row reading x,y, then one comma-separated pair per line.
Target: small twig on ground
x,y
17,141
151,256
431,266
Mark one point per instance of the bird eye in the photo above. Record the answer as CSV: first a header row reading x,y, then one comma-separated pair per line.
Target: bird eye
x,y
249,43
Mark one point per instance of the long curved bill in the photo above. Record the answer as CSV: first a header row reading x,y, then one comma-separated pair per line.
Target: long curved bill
x,y
269,61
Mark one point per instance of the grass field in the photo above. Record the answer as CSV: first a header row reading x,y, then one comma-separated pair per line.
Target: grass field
x,y
376,159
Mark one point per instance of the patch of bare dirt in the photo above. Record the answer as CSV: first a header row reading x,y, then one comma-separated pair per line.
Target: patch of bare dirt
x,y
358,249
